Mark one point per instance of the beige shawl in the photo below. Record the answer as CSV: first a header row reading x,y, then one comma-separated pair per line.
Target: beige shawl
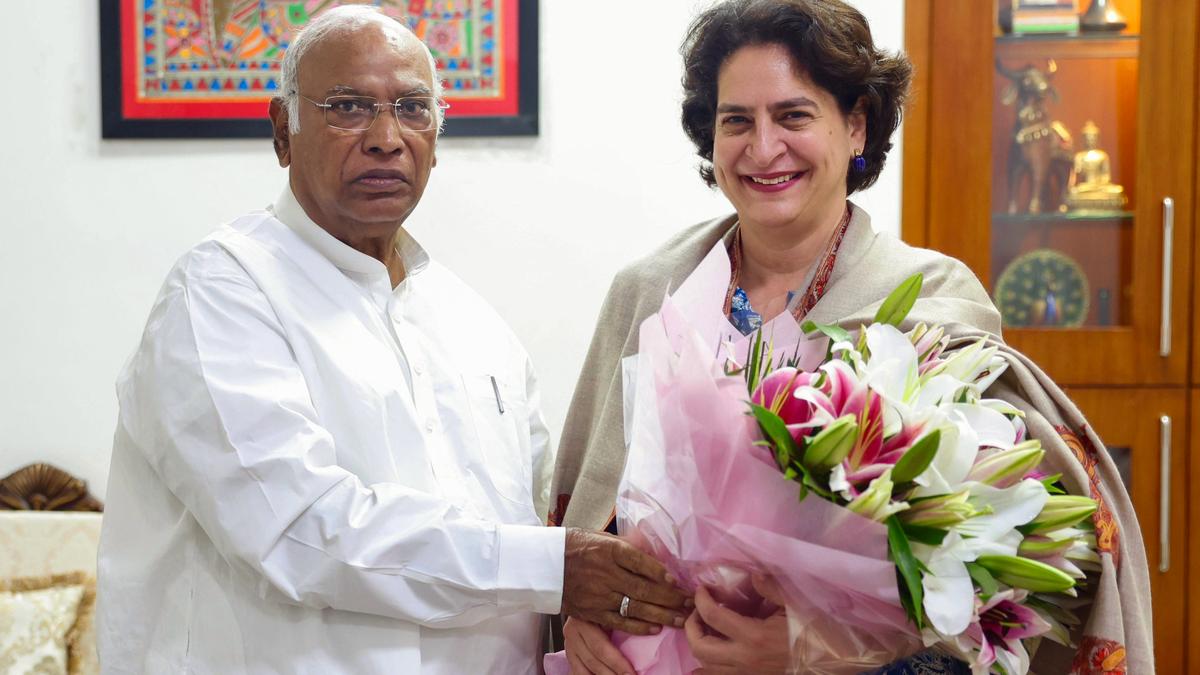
x,y
1116,634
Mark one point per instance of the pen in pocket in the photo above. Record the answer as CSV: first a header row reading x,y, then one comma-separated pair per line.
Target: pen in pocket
x,y
499,401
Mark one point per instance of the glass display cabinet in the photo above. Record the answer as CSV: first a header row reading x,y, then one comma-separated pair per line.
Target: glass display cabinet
x,y
1060,167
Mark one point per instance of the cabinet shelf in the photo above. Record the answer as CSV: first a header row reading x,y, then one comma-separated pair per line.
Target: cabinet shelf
x,y
1082,46
1068,217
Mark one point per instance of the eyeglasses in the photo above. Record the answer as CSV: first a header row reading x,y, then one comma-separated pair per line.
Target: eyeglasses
x,y
358,113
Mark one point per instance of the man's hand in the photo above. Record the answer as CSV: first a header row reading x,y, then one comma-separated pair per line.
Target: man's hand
x,y
601,569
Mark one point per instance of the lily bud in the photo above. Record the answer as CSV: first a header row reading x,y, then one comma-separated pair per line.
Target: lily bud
x,y
1059,512
1030,575
1006,468
928,342
876,501
942,512
1039,547
829,447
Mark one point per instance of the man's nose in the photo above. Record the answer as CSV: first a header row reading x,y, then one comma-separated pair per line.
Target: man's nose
x,y
385,135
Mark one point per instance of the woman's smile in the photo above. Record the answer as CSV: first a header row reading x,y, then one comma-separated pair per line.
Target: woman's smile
x,y
771,183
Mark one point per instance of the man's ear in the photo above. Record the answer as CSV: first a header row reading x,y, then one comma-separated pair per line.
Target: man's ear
x,y
281,135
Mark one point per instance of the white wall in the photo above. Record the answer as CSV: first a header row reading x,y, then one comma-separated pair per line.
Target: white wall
x,y
538,226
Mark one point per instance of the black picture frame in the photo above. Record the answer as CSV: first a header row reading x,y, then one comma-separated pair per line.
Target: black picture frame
x,y
114,125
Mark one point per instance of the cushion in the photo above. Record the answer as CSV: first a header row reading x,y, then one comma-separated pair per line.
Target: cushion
x,y
37,543
40,619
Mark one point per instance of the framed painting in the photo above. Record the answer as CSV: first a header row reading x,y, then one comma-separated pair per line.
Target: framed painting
x,y
208,68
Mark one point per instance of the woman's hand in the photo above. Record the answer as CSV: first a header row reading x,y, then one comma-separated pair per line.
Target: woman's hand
x,y
590,651
745,644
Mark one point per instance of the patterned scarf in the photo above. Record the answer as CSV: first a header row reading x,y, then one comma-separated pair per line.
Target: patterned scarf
x,y
816,287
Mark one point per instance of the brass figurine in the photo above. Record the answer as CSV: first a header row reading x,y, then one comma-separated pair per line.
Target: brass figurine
x,y
1090,186
1041,147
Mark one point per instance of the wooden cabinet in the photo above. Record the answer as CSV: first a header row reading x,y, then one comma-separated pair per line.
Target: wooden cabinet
x,y
958,136
1097,278
1148,441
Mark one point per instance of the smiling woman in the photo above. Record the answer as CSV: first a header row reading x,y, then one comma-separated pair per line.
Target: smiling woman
x,y
791,108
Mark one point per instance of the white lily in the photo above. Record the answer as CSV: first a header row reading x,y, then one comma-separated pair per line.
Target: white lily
x,y
891,372
938,390
949,592
975,363
1009,508
968,428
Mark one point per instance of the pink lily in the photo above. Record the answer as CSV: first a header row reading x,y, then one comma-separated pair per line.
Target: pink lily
x,y
994,636
775,394
848,395
1003,622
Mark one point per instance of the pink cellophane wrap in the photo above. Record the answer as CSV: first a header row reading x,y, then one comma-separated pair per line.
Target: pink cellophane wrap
x,y
700,496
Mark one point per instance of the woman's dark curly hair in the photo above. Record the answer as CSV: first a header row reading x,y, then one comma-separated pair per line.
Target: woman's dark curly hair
x,y
828,39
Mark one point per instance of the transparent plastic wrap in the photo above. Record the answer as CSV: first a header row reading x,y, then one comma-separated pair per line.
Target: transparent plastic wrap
x,y
702,497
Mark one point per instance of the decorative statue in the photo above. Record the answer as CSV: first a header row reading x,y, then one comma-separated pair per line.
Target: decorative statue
x,y
1041,148
1090,186
1102,16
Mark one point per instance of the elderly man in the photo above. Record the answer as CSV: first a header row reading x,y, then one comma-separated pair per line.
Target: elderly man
x,y
329,457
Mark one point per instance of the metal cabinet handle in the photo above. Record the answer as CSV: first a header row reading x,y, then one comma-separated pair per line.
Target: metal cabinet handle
x,y
1168,227
1164,494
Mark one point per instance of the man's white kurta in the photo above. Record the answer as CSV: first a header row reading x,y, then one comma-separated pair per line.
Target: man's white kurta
x,y
314,472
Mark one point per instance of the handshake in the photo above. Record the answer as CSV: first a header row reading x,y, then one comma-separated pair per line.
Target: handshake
x,y
609,582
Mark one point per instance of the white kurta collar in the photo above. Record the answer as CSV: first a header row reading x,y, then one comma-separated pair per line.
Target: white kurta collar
x,y
288,210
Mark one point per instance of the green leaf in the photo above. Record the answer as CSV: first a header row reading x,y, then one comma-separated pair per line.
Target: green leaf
x,y
1051,484
918,458
900,301
754,365
815,486
987,583
923,534
907,566
777,433
835,333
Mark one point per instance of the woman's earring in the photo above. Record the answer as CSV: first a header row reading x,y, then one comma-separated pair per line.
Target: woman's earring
x,y
859,163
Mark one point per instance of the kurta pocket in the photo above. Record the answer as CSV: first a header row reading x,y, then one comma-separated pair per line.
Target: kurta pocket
x,y
500,414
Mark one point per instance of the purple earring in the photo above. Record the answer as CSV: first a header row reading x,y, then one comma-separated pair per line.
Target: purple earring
x,y
859,163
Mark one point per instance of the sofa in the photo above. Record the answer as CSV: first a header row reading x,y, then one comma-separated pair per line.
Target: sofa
x,y
49,533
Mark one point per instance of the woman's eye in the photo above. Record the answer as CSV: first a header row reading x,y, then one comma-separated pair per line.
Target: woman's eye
x,y
735,121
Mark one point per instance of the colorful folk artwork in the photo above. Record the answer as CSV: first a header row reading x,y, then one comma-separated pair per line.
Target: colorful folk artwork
x,y
220,59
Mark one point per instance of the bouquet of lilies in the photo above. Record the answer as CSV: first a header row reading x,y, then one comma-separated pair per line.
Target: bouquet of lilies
x,y
988,551
862,483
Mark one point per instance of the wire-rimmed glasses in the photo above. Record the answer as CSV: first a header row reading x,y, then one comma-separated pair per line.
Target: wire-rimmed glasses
x,y
358,113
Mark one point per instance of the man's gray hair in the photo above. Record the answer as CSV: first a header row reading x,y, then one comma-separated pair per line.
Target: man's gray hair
x,y
337,21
